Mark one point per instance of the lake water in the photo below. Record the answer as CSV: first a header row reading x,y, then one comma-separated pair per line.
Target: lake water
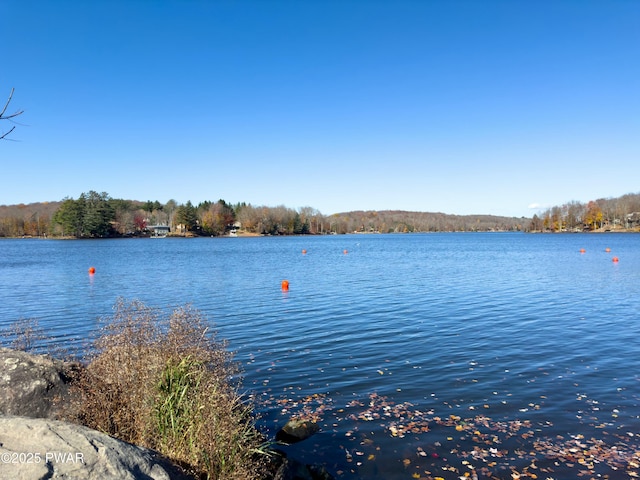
x,y
420,355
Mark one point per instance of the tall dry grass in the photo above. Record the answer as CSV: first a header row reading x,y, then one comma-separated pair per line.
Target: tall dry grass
x,y
163,381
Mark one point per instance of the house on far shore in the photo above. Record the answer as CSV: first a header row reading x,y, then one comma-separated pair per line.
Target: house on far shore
x,y
158,231
633,219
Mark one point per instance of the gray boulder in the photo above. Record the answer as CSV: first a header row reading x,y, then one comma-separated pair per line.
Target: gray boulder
x,y
37,448
33,385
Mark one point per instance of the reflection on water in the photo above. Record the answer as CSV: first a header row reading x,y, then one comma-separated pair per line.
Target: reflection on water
x,y
419,355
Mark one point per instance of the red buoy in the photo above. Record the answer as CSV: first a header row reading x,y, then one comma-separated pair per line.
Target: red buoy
x,y
92,270
345,251
615,259
285,285
582,250
304,252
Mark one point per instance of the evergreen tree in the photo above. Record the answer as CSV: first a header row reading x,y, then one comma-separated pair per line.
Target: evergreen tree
x,y
70,216
88,216
98,214
187,215
148,206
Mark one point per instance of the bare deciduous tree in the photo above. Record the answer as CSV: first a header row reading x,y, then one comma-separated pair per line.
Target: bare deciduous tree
x,y
5,116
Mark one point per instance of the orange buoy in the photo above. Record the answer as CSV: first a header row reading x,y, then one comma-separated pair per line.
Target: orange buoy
x,y
582,250
615,259
285,285
92,270
345,251
607,249
304,252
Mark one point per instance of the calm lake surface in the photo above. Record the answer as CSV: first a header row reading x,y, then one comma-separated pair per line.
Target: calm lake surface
x,y
420,355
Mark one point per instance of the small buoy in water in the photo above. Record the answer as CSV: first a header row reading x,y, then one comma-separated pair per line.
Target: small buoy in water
x,y
615,259
304,252
285,285
607,249
582,250
345,251
92,270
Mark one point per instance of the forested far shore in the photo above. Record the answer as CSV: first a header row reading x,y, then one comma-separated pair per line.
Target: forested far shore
x,y
97,215
601,215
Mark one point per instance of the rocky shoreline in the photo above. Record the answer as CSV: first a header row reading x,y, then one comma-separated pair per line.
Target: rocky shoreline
x,y
35,444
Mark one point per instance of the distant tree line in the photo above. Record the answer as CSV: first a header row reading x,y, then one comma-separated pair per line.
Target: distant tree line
x,y
32,220
400,221
94,215
621,213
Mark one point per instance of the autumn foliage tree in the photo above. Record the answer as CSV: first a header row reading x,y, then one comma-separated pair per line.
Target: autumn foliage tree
x,y
593,217
216,218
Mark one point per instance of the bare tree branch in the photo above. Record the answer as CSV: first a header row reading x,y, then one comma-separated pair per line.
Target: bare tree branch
x,y
2,137
10,116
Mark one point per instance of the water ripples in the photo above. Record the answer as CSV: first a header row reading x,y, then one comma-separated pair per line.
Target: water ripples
x,y
517,325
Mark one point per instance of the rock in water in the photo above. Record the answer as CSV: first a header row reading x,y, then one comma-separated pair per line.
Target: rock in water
x,y
37,448
30,384
296,430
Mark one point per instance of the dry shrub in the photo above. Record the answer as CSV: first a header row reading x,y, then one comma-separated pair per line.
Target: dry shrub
x,y
164,382
23,334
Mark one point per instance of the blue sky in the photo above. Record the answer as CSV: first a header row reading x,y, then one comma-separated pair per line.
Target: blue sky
x,y
460,107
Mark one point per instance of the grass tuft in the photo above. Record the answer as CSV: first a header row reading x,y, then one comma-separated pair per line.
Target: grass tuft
x,y
164,382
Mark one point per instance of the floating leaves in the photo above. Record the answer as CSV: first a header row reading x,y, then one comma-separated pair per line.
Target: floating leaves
x,y
310,407
456,446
